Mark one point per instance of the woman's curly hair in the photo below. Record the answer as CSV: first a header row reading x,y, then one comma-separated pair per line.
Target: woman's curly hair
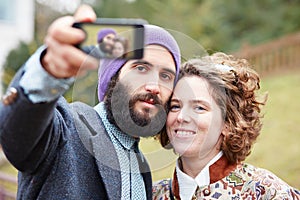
x,y
234,90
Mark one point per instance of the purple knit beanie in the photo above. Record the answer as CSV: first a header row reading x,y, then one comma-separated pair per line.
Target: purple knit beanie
x,y
153,35
103,32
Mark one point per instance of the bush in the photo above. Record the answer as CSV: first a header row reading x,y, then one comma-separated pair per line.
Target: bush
x,y
15,59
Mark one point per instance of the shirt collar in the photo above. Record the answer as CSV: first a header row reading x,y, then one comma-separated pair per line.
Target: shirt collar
x,y
188,185
124,139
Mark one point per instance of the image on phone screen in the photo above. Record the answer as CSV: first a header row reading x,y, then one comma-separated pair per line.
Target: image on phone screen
x,y
115,41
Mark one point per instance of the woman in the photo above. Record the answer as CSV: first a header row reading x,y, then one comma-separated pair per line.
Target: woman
x,y
120,47
214,119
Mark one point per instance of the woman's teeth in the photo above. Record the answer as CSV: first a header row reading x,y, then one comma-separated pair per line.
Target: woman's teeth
x,y
185,132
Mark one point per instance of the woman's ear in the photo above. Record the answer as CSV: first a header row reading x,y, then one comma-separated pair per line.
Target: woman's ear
x,y
225,130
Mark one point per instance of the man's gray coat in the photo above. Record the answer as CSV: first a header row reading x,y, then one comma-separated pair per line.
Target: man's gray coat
x,y
62,151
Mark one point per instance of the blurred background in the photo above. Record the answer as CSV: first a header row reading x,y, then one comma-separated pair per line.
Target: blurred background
x,y
267,32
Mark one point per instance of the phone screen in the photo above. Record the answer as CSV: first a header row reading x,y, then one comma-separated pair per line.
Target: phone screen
x,y
115,41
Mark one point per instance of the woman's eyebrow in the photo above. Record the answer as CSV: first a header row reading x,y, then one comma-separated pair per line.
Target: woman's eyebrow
x,y
199,101
175,100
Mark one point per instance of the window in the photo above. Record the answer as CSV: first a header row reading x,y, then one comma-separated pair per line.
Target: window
x,y
7,10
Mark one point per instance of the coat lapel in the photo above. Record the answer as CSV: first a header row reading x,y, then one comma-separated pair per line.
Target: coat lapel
x,y
146,173
108,164
98,143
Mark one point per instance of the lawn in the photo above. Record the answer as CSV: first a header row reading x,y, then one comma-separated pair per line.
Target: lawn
x,y
277,148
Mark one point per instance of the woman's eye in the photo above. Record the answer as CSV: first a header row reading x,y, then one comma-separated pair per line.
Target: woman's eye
x,y
199,108
174,108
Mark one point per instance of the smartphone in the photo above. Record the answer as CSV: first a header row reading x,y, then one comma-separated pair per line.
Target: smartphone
x,y
113,38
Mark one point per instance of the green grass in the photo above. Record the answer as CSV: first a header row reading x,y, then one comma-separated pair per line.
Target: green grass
x,y
8,169
277,148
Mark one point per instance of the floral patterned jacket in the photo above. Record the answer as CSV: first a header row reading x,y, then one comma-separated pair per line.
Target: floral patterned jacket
x,y
238,181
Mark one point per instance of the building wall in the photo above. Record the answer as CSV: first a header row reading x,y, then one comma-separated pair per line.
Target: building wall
x,y
16,24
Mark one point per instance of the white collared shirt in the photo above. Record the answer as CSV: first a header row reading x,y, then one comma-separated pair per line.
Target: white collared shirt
x,y
188,185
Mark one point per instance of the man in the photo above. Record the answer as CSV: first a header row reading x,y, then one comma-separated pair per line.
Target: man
x,y
105,44
79,152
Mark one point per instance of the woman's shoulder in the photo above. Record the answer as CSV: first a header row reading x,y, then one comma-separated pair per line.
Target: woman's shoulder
x,y
161,189
260,175
267,182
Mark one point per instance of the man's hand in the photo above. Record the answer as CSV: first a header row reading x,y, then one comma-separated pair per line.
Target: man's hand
x,y
63,59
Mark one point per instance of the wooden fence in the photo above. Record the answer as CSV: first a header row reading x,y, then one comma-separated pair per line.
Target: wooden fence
x,y
273,56
7,181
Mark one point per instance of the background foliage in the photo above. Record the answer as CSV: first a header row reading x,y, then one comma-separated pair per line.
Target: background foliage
x,y
216,25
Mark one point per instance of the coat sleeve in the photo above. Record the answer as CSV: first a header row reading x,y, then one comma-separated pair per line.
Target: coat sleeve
x,y
28,131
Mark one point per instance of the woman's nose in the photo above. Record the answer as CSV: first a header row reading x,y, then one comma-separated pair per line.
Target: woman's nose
x,y
183,116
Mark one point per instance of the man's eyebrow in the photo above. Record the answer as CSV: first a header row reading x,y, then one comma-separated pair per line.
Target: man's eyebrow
x,y
151,65
142,62
170,71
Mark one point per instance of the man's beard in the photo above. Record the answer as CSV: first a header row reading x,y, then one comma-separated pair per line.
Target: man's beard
x,y
105,47
120,110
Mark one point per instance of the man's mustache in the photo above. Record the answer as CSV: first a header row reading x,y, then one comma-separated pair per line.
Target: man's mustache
x,y
148,97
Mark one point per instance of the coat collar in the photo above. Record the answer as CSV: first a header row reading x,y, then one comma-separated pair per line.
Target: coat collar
x,y
220,169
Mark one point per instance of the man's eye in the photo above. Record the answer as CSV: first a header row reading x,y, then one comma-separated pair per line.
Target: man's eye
x,y
141,68
166,76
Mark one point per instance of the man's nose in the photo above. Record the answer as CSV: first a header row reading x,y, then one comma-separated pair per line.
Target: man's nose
x,y
152,87
111,42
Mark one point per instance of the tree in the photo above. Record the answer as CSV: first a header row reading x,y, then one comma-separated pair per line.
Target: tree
x,y
226,25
